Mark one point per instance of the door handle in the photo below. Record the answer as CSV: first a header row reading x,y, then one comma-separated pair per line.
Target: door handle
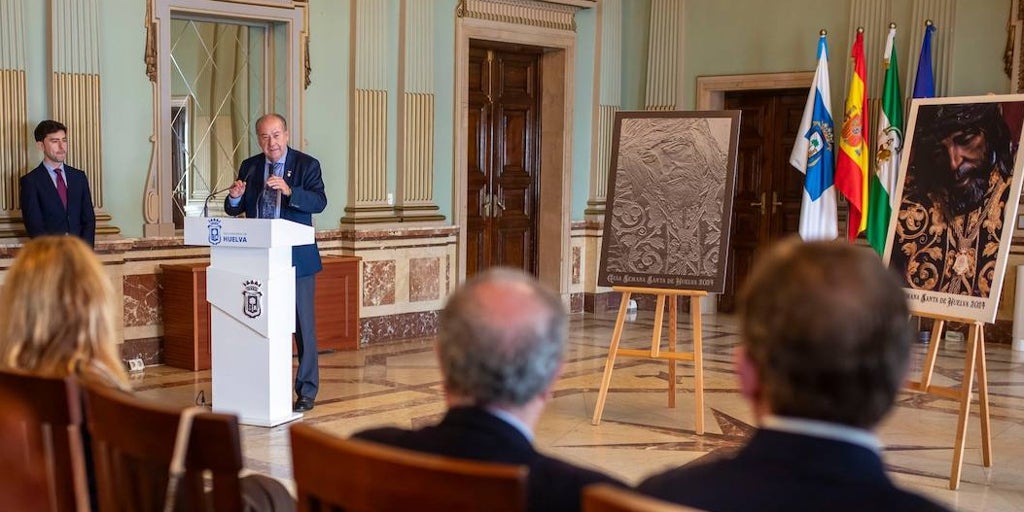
x,y
760,204
485,203
775,202
499,204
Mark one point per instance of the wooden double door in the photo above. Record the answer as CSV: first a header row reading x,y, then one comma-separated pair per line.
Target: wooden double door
x,y
766,205
504,156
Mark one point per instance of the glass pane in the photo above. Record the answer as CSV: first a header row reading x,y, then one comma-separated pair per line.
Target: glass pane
x,y
217,86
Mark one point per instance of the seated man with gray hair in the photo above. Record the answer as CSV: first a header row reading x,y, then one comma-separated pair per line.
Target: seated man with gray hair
x,y
825,344
500,344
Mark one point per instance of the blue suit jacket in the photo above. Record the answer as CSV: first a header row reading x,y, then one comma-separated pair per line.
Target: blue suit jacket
x,y
44,213
473,433
779,471
303,175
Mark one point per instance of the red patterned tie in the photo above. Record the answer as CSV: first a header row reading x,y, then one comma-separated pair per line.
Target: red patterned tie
x,y
62,187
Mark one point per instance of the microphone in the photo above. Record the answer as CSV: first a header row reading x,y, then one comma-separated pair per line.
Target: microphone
x,y
206,204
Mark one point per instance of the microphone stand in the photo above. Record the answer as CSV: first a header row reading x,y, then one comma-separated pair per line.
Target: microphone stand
x,y
206,204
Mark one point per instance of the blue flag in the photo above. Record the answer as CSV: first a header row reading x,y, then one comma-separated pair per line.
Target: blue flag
x,y
924,82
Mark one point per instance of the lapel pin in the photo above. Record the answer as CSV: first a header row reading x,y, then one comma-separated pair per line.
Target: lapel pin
x,y
288,174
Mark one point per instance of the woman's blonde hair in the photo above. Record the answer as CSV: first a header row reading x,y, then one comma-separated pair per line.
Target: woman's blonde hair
x,y
59,312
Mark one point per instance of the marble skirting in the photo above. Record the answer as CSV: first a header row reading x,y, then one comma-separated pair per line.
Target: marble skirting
x,y
380,330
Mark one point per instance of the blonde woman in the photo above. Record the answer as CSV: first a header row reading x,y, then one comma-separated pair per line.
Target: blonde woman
x,y
59,313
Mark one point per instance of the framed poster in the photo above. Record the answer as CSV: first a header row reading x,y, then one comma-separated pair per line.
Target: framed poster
x,y
669,200
950,233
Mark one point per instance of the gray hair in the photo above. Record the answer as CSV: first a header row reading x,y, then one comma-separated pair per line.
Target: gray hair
x,y
501,338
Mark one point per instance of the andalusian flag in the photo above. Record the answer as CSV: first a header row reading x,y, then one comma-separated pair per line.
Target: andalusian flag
x,y
812,155
888,144
852,167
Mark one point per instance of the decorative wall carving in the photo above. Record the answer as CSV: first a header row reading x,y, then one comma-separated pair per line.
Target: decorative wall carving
x,y
1014,57
556,15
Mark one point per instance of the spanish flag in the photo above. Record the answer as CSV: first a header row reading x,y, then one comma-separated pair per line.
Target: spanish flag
x,y
852,167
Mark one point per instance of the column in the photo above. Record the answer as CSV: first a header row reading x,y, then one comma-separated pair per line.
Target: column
x,y
14,137
75,91
368,129
663,55
608,100
415,187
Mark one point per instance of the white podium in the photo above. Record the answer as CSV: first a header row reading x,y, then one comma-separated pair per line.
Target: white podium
x,y
250,285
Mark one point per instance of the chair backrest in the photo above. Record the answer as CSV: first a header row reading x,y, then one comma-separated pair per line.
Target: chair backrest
x,y
53,431
608,498
132,445
333,473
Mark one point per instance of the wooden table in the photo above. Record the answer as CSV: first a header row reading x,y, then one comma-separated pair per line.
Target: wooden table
x,y
187,314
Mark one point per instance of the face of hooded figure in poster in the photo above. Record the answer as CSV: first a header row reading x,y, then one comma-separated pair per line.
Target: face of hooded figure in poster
x,y
969,160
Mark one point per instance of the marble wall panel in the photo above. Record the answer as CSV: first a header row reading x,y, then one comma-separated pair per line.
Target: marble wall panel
x,y
576,262
424,279
142,300
378,282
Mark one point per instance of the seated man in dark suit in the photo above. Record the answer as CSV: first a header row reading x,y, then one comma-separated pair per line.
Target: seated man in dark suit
x,y
825,349
500,343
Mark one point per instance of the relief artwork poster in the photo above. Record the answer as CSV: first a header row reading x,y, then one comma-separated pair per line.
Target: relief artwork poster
x,y
959,187
669,200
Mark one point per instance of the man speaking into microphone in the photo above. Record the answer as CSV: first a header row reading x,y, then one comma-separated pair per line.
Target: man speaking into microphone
x,y
283,183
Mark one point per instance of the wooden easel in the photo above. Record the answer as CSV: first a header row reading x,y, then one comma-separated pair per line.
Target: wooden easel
x,y
655,352
974,365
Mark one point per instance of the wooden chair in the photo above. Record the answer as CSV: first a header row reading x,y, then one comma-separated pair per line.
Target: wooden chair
x,y
55,432
133,442
609,498
333,473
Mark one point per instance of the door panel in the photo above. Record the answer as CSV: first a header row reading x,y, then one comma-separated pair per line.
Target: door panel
x,y
478,240
766,206
503,187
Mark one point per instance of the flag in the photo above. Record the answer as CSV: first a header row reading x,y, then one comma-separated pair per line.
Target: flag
x,y
852,165
882,190
813,155
924,81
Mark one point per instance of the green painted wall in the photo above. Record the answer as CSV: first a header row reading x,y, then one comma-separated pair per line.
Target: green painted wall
x,y
754,36
127,116
444,105
978,54
326,105
636,28
583,110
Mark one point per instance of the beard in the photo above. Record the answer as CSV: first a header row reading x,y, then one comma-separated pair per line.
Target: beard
x,y
968,186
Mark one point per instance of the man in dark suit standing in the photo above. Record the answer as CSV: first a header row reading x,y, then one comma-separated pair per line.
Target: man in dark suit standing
x,y
285,183
825,349
500,345
55,197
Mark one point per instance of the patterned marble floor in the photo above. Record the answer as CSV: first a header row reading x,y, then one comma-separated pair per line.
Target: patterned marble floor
x,y
399,384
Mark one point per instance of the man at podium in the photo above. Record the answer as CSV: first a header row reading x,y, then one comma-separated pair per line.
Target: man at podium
x,y
283,183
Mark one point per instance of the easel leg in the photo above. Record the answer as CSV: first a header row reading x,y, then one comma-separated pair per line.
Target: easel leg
x,y
698,365
982,373
673,319
613,348
970,358
659,319
933,351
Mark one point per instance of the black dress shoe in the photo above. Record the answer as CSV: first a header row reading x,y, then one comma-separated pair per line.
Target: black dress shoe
x,y
303,404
